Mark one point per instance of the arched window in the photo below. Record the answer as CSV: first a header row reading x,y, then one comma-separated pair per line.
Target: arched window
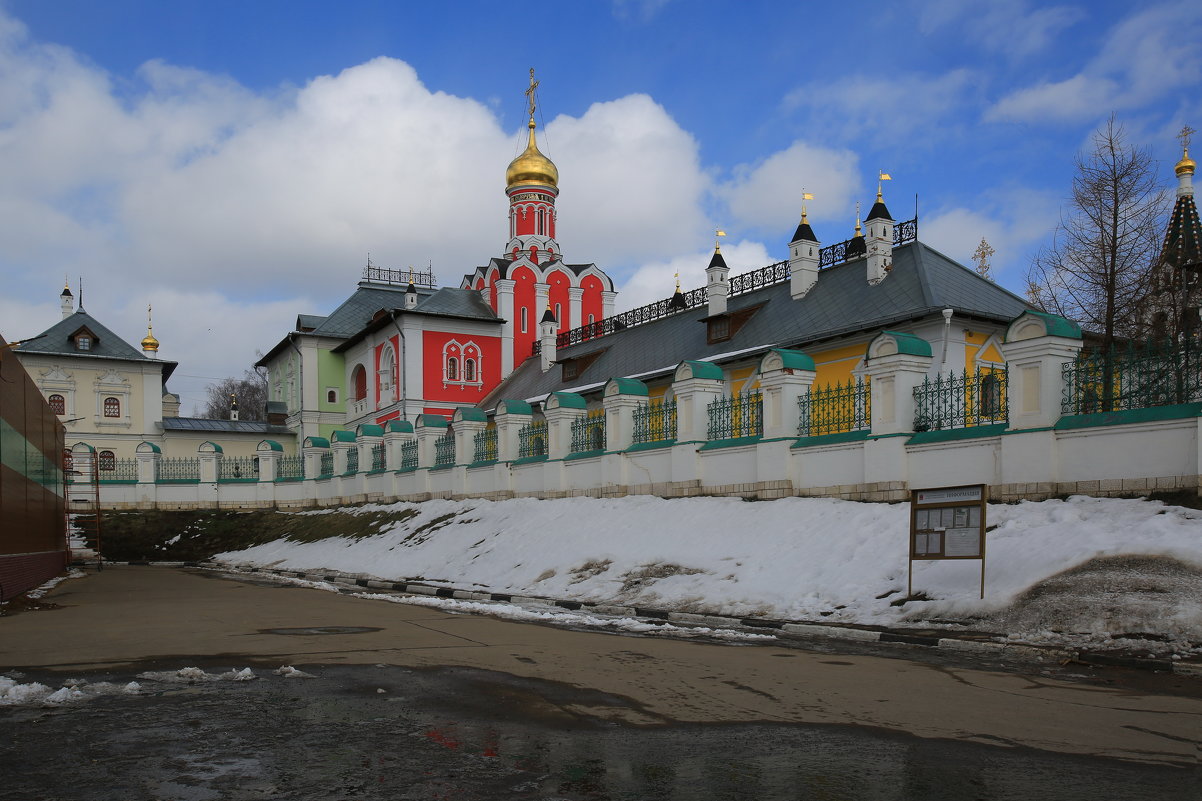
x,y
523,319
112,408
590,319
452,369
387,367
68,460
106,461
58,404
542,222
559,312
332,396
359,382
991,396
469,369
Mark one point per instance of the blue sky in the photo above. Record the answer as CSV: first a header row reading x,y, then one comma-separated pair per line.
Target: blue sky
x,y
234,162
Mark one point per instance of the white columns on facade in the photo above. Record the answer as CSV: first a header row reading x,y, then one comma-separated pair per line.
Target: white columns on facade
x,y
1036,348
696,385
341,448
785,375
896,363
506,312
510,417
607,304
575,308
620,399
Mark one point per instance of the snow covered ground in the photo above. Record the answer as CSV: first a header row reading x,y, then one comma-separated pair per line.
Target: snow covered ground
x,y
1086,571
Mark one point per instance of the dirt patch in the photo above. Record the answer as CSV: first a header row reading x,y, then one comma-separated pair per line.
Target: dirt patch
x,y
635,580
197,535
591,568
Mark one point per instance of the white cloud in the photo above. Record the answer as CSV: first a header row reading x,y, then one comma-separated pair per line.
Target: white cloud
x,y
767,196
897,106
656,280
222,206
1013,221
1008,27
1149,55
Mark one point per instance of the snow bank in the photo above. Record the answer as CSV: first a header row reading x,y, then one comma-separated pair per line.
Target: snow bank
x,y
795,558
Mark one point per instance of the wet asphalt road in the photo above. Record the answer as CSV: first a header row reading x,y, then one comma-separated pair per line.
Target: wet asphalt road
x,y
461,734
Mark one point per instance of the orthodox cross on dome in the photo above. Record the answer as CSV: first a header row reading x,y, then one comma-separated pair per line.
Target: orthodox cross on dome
x,y
981,256
1185,137
530,93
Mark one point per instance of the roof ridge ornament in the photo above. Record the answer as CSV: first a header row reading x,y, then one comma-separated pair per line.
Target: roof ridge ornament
x,y
881,176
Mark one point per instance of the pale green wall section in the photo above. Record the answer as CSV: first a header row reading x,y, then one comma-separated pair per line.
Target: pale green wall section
x,y
331,372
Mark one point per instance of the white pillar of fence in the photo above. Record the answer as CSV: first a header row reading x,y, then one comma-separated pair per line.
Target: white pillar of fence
x,y
312,449
896,363
269,453
148,456
429,428
367,436
620,398
467,423
785,375
396,433
696,385
560,409
343,443
209,454
510,417
1036,348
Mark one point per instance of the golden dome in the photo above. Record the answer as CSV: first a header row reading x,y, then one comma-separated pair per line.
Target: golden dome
x,y
532,167
1185,166
149,342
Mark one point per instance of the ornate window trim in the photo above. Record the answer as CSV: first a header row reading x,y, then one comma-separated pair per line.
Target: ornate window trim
x,y
462,364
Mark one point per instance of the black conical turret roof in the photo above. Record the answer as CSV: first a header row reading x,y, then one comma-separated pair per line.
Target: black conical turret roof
x,y
549,316
878,211
1183,240
856,247
717,260
804,233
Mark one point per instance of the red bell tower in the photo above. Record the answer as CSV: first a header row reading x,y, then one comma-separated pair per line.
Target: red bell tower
x,y
532,183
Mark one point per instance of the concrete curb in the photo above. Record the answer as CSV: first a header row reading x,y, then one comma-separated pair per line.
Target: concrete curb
x,y
783,628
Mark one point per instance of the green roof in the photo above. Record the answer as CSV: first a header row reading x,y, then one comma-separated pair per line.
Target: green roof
x,y
344,436
792,359
1055,326
514,407
432,420
369,430
703,369
626,386
567,400
399,427
472,415
316,442
271,445
906,343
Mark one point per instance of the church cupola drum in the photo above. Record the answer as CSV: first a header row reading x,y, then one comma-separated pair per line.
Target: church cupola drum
x,y
532,184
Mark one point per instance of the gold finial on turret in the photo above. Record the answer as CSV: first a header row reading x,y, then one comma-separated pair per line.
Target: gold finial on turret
x,y
531,167
881,176
859,231
1186,165
718,234
804,197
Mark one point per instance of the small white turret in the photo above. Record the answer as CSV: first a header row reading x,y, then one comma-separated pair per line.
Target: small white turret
x,y
546,338
803,256
717,286
879,238
67,300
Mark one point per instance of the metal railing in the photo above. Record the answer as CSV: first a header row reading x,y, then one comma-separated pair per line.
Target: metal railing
x,y
327,465
176,470
409,455
961,401
377,457
352,462
654,421
238,468
118,470
588,432
290,468
903,232
835,409
383,275
485,443
740,415
1135,377
532,439
444,449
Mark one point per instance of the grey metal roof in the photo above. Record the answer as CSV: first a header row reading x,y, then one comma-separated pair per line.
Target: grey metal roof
x,y
842,302
222,426
456,303
56,340
308,321
357,310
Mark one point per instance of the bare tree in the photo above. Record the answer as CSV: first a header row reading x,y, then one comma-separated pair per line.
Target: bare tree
x,y
250,391
1097,269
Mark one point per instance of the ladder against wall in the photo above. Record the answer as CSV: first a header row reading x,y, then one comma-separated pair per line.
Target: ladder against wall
x,y
81,483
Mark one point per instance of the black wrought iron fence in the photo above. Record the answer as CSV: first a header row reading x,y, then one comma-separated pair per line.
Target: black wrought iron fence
x,y
532,439
290,468
835,409
1134,377
124,471
352,462
178,470
961,401
409,455
377,457
327,465
655,421
238,468
588,432
740,415
444,449
485,443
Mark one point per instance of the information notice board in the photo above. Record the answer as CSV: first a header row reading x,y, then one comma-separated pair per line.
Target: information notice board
x,y
948,523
